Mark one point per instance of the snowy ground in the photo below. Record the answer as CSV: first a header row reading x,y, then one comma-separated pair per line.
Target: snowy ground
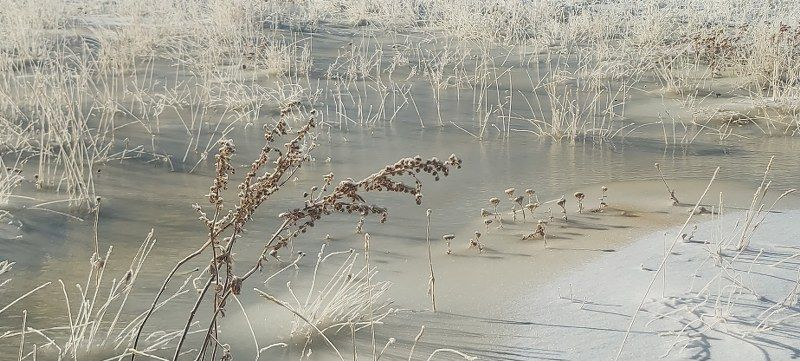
x,y
715,305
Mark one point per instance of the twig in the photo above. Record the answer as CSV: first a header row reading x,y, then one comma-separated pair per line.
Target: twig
x,y
661,266
432,281
292,310
416,339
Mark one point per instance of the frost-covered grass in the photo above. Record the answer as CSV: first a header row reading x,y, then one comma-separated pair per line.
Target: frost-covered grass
x,y
86,83
97,322
598,53
72,70
9,179
5,267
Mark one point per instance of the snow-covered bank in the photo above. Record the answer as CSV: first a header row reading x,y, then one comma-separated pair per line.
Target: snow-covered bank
x,y
716,305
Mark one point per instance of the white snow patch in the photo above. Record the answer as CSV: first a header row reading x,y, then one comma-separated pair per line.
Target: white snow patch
x,y
714,303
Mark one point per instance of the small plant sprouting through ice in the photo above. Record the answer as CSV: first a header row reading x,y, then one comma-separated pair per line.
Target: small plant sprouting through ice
x,y
579,196
448,238
562,202
494,201
476,242
603,198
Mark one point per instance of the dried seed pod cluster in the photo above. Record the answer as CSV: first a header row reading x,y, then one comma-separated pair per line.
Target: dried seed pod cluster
x,y
346,197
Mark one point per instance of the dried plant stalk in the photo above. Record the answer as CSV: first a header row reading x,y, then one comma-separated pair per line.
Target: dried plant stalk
x,y
271,169
432,279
